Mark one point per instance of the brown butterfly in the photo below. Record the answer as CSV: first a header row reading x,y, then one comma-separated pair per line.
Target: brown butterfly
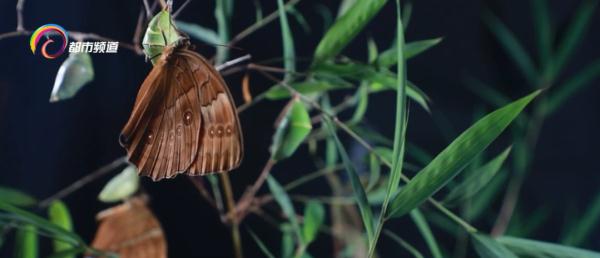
x,y
184,119
130,230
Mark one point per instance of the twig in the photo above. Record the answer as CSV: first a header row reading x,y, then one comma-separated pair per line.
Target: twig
x,y
248,197
180,9
147,7
259,24
84,181
233,62
235,226
199,184
20,4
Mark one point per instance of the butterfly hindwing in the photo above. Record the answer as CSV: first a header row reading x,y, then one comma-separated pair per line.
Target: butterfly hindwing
x,y
221,142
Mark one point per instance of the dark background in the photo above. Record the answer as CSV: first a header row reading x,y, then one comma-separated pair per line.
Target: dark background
x,y
44,147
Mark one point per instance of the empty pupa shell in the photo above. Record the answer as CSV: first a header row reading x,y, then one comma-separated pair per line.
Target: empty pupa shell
x,y
73,74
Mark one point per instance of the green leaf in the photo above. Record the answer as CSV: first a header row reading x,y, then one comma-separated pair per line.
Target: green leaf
x,y
261,244
68,253
372,50
357,188
487,92
362,94
577,83
121,187
456,156
287,241
74,73
410,248
26,242
299,17
512,46
423,227
487,247
286,205
379,80
346,28
585,225
293,127
58,213
16,197
345,6
223,12
161,32
477,180
41,224
289,54
375,171
482,201
539,249
543,28
307,87
200,33
411,49
574,34
314,216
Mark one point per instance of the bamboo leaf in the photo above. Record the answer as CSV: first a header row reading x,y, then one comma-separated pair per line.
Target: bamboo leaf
x,y
423,227
357,188
411,49
585,225
74,73
16,197
26,242
289,55
293,127
286,205
543,25
346,28
121,187
478,179
574,34
314,216
223,12
58,213
261,244
513,47
577,83
198,32
487,247
68,253
456,156
539,249
41,224
410,248
362,94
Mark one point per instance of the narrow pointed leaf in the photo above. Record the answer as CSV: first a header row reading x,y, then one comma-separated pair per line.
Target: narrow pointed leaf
x,y
357,188
198,32
487,247
74,73
121,187
543,25
346,28
286,205
16,197
411,49
538,249
410,248
477,180
577,83
289,53
584,226
456,156
426,233
261,244
574,34
513,47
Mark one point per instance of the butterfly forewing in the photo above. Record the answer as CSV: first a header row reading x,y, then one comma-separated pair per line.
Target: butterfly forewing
x,y
184,120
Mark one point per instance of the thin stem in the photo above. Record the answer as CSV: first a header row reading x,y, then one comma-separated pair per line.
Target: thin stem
x,y
249,195
235,229
259,24
20,4
84,181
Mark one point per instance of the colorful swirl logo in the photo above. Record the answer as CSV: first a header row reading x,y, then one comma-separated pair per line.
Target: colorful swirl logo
x,y
47,30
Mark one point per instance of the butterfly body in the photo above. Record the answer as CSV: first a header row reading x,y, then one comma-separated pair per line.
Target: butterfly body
x,y
184,120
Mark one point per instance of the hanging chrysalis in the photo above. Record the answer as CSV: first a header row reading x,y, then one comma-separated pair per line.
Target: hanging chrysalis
x,y
184,120
160,33
72,75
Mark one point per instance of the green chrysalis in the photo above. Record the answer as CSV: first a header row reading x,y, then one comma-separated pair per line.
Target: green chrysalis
x,y
161,32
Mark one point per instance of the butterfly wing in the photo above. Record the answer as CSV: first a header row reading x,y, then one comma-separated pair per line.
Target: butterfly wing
x,y
184,120
131,230
221,142
161,136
